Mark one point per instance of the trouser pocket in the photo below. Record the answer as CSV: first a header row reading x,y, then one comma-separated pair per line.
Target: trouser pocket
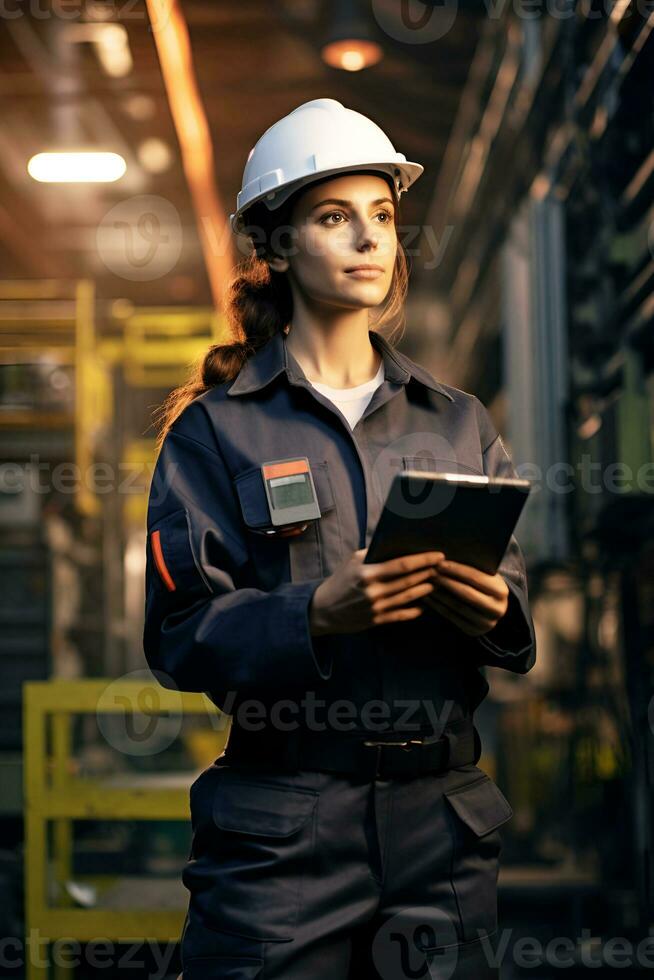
x,y
475,812
253,850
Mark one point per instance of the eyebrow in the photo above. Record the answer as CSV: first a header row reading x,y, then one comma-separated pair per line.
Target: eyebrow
x,y
347,204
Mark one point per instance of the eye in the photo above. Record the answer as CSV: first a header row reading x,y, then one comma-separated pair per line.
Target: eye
x,y
330,214
388,215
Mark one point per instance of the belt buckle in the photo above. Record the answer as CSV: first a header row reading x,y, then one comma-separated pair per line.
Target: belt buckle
x,y
384,742
405,744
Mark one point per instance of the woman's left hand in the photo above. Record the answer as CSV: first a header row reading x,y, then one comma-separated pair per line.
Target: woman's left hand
x,y
471,599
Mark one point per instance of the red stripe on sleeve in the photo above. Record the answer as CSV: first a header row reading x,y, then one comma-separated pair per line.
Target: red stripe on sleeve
x,y
160,562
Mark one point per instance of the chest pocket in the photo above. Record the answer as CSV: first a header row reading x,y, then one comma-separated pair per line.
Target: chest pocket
x,y
431,464
308,555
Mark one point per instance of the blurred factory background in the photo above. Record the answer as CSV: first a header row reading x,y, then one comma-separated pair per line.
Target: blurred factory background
x,y
531,237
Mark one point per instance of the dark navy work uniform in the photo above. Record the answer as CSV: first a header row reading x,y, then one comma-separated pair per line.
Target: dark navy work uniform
x,y
295,871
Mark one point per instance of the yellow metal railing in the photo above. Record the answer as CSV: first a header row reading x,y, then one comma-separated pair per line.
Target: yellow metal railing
x,y
154,347
47,318
56,794
162,343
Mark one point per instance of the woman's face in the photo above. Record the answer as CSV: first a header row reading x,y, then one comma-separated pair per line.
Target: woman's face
x,y
339,224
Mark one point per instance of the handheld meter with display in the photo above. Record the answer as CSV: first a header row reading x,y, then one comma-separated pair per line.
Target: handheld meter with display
x,y
290,492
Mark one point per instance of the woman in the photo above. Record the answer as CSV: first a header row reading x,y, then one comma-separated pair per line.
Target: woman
x,y
347,831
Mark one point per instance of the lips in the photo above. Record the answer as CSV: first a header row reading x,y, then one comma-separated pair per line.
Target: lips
x,y
365,272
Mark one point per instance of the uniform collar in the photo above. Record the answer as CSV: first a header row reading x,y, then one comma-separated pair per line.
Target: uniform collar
x,y
273,358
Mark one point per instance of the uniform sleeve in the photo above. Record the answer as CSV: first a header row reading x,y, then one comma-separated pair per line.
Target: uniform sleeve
x,y
512,642
205,627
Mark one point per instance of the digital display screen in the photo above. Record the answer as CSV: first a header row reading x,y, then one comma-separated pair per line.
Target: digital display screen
x,y
290,491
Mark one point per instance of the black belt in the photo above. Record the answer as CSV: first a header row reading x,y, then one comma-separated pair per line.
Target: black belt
x,y
376,756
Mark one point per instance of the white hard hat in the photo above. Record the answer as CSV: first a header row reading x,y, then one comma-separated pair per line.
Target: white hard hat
x,y
318,138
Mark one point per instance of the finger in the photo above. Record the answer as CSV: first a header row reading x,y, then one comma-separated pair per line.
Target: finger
x,y
465,613
473,615
393,586
410,612
404,565
401,598
467,594
467,573
462,622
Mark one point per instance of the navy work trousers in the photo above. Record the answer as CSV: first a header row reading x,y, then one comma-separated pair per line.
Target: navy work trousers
x,y
320,876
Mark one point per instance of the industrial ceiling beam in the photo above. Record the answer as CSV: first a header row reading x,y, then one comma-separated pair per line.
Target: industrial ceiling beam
x,y
171,36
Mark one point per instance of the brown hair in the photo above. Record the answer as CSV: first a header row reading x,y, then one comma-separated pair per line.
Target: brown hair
x,y
259,303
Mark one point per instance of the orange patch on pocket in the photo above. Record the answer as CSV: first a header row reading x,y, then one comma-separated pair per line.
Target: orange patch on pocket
x,y
160,562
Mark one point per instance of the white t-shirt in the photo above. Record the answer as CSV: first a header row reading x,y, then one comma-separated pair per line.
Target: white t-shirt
x,y
352,401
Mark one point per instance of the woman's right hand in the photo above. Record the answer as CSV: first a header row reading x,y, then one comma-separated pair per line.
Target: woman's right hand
x,y
357,596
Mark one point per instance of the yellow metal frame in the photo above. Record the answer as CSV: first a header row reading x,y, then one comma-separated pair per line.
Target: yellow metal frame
x,y
155,346
161,344
93,395
46,316
54,793
138,462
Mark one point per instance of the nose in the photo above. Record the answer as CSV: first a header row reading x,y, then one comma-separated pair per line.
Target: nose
x,y
369,237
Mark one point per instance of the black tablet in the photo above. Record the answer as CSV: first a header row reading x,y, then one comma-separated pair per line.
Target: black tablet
x,y
470,518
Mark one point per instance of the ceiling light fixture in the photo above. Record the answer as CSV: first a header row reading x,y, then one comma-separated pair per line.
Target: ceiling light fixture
x,y
76,167
349,44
